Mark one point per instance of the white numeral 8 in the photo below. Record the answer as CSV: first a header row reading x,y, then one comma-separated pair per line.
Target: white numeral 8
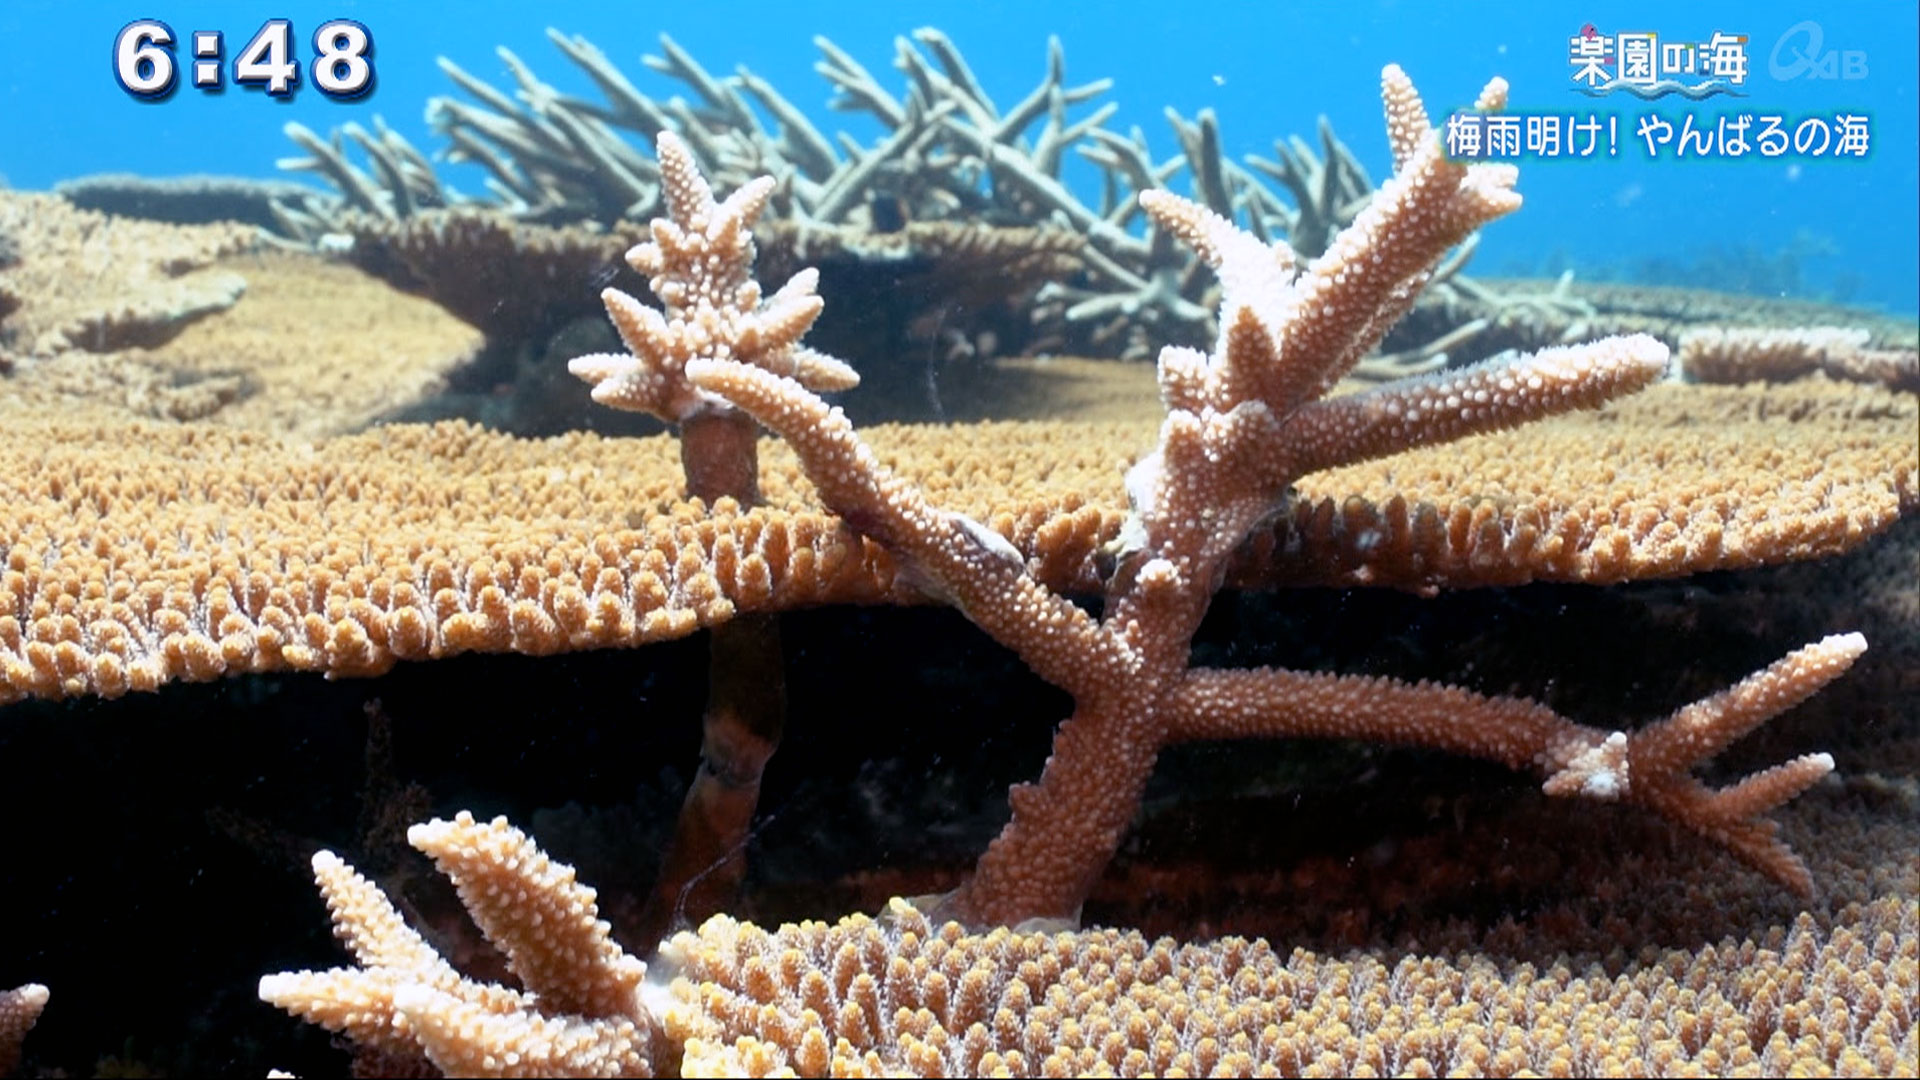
x,y
341,65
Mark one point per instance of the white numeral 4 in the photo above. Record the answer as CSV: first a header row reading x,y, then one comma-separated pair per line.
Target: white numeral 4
x,y
265,61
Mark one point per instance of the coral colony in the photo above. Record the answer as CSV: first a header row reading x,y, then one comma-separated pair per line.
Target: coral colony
x,y
990,977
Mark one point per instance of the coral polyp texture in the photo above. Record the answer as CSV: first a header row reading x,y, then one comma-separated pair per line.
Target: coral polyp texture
x,y
1242,423
578,1012
192,553
909,994
902,995
135,553
20,1008
899,995
700,263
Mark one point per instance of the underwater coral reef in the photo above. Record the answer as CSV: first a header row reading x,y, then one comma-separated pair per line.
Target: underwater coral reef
x,y
1324,911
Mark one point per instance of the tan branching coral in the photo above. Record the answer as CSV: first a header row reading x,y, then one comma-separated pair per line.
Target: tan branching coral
x,y
699,263
20,1008
578,1013
1194,497
1650,768
1243,422
947,152
1742,354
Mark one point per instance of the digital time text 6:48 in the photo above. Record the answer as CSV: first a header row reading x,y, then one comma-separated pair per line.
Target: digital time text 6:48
x,y
342,64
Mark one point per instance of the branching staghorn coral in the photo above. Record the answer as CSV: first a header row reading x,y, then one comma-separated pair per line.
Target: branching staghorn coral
x,y
548,150
1243,423
947,153
907,995
20,1008
579,1013
699,263
406,183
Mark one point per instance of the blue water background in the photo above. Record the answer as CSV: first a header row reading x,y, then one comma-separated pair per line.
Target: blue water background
x,y
1843,229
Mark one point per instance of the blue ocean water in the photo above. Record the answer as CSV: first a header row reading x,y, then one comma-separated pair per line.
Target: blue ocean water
x,y
1812,224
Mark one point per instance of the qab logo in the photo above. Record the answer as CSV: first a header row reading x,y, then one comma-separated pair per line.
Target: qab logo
x,y
1798,55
